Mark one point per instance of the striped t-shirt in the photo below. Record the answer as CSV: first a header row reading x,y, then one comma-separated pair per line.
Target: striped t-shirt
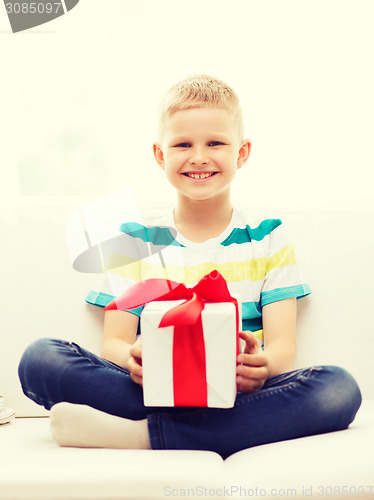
x,y
254,255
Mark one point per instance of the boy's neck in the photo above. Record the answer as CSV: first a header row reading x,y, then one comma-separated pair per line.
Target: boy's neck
x,y
200,220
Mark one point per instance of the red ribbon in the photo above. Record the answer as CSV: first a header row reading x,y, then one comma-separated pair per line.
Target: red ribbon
x,y
189,365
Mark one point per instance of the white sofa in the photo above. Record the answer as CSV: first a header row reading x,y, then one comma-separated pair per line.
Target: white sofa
x,y
41,295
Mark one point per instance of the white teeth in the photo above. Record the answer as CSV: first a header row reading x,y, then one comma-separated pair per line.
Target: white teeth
x,y
199,176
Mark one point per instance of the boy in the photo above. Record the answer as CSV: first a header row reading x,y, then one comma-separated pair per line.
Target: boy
x,y
98,402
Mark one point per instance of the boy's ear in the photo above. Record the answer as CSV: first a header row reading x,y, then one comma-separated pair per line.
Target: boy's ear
x,y
159,155
244,152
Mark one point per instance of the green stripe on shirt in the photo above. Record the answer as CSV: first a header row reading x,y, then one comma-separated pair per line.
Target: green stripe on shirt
x,y
247,234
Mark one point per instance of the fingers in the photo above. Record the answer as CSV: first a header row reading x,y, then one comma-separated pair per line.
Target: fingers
x,y
252,359
134,364
136,349
136,379
249,385
252,371
250,379
251,342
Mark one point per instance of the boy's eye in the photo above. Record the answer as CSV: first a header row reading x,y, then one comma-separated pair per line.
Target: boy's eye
x,y
188,145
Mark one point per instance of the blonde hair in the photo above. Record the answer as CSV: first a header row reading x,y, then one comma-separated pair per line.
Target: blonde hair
x,y
201,91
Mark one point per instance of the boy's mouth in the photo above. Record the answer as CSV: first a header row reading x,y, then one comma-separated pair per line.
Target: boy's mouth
x,y
199,175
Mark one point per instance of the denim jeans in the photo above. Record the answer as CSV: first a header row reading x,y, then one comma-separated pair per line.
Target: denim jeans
x,y
299,403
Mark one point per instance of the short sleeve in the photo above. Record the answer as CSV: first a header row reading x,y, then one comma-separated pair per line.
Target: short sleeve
x,y
144,262
112,284
283,276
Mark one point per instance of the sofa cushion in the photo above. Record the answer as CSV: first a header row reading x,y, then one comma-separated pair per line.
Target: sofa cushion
x,y
36,468
322,462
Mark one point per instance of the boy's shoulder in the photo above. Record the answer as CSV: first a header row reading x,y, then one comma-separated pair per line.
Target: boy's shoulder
x,y
154,214
158,218
253,218
260,222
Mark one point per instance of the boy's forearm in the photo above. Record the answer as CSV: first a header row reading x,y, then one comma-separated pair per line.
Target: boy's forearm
x,y
117,351
281,356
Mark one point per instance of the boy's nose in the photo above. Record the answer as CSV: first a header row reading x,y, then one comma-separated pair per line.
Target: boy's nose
x,y
198,158
198,161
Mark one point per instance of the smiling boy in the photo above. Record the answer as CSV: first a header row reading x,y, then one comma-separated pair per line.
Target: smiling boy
x,y
200,153
98,401
201,149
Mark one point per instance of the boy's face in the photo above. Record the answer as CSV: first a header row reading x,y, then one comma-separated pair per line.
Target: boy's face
x,y
201,152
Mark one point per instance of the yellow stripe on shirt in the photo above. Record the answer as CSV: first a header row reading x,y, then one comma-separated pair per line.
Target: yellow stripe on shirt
x,y
250,269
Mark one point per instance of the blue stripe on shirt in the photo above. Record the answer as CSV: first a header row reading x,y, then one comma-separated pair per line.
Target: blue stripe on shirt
x,y
247,234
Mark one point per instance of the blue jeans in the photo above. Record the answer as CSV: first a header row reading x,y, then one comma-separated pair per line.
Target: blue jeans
x,y
300,403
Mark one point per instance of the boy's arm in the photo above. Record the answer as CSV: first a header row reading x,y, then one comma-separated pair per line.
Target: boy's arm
x,y
278,356
120,328
279,325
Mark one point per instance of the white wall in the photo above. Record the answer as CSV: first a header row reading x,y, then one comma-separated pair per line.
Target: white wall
x,y
79,96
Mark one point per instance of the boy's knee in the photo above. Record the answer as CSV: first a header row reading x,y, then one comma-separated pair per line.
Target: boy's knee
x,y
36,359
340,397
34,352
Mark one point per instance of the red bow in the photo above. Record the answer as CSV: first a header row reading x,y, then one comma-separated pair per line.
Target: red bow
x,y
189,367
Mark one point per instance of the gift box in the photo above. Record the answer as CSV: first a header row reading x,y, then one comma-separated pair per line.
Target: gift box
x,y
190,339
207,375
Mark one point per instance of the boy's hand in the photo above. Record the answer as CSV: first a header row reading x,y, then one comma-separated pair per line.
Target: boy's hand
x,y
134,364
253,370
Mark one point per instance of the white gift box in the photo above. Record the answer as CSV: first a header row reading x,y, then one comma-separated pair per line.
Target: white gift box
x,y
219,329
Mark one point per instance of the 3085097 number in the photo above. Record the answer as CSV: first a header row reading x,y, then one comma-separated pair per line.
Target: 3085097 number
x,y
345,491
33,8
